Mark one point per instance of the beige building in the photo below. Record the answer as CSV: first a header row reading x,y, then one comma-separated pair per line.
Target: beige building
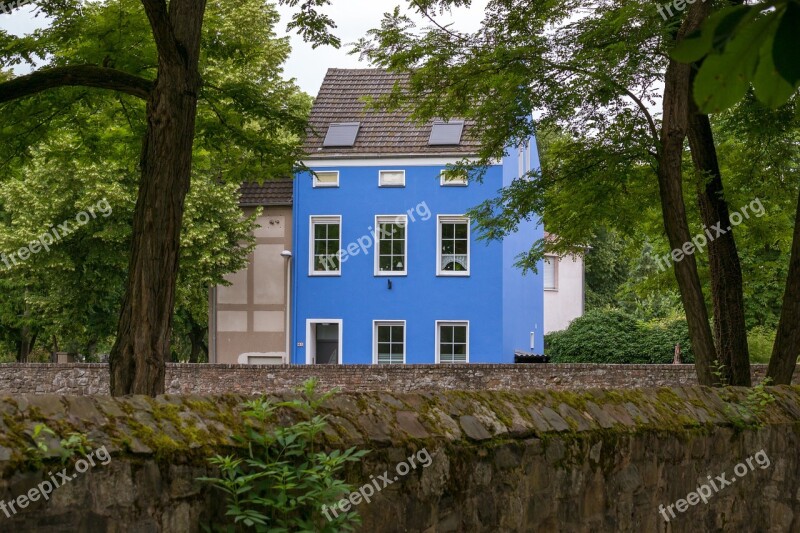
x,y
564,293
248,319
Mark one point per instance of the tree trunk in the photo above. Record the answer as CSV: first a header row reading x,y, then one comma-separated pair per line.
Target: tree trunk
x,y
787,342
726,271
673,134
25,344
197,334
143,338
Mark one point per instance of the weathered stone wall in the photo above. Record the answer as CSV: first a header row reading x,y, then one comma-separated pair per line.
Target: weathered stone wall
x,y
590,461
81,379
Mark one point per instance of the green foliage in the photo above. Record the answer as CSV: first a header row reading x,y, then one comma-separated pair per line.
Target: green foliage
x,y
742,45
69,447
283,481
759,342
613,336
67,148
748,414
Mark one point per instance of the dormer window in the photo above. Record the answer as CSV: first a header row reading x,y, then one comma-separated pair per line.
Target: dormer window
x,y
446,133
342,135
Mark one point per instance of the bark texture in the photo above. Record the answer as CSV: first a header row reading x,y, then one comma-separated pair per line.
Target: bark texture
x,y
787,342
142,345
673,134
730,329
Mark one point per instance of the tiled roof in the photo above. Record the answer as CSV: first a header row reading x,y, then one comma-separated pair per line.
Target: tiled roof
x,y
340,100
273,192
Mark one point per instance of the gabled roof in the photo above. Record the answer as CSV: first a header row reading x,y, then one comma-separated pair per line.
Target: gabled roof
x,y
380,134
273,192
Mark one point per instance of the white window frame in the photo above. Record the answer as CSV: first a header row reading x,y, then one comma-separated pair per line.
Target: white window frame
x,y
453,218
445,183
311,341
315,183
554,260
323,219
384,219
389,186
375,324
440,323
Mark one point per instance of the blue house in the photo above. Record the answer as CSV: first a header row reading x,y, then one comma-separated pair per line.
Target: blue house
x,y
387,268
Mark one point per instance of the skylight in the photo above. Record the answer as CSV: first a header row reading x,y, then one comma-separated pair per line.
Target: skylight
x,y
342,135
446,133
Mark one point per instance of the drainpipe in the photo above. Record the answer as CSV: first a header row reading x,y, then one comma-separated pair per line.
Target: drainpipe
x,y
212,333
286,254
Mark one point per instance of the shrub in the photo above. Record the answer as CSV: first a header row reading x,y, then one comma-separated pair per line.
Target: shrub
x,y
612,336
284,479
759,342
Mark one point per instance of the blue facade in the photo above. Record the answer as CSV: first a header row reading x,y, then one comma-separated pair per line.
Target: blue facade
x,y
503,308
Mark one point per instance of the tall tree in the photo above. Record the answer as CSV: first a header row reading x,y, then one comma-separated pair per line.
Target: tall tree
x,y
598,75
169,78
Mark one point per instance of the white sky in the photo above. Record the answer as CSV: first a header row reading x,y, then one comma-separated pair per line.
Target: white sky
x,y
353,17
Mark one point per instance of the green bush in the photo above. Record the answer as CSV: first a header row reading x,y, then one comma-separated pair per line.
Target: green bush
x,y
612,336
759,342
283,481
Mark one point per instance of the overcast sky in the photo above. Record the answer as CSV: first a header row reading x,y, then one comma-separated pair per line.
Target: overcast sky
x,y
353,17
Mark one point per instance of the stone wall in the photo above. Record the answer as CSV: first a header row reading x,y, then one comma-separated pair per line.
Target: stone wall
x,y
577,462
82,379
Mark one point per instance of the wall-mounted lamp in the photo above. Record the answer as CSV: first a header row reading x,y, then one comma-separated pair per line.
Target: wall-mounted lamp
x,y
390,283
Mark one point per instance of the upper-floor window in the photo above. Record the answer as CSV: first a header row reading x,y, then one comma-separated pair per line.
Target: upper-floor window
x,y
389,346
392,178
326,241
327,178
550,272
452,342
391,258
453,248
450,179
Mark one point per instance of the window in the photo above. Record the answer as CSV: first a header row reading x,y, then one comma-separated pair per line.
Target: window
x,y
342,135
391,257
452,342
446,133
326,179
325,245
392,178
389,346
449,180
550,272
453,246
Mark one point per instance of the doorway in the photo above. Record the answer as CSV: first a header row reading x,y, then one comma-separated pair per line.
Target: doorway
x,y
324,338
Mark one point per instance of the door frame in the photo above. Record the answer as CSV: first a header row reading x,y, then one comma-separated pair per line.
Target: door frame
x,y
311,340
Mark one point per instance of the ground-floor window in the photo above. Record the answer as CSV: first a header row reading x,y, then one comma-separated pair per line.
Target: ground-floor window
x,y
452,342
390,342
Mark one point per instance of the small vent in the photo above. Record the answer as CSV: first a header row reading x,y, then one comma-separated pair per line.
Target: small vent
x,y
342,135
446,133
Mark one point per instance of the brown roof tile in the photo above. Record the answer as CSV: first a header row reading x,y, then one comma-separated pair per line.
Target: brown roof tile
x,y
273,192
382,133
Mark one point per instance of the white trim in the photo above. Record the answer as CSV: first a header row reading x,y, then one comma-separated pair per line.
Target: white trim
x,y
321,218
403,160
319,185
437,347
439,271
312,341
375,324
444,183
380,173
377,245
